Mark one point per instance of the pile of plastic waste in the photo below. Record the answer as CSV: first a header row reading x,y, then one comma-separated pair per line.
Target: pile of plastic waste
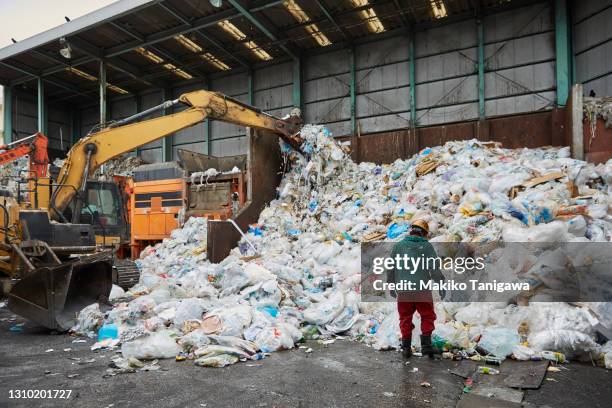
x,y
598,107
298,276
123,165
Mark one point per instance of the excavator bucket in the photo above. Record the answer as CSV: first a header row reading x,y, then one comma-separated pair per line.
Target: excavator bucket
x,y
53,296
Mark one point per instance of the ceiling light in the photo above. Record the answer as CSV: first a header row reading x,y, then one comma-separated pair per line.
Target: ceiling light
x,y
187,43
215,61
117,89
159,60
369,15
66,50
195,48
216,3
438,8
92,78
301,17
235,32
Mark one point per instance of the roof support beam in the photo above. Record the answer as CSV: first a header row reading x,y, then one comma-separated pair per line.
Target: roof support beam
x,y
400,10
331,18
8,114
268,32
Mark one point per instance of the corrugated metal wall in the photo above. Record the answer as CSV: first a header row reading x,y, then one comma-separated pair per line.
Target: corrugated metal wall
x,y
25,122
520,60
592,21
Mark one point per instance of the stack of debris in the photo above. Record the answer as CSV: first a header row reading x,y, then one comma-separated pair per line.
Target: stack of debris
x,y
122,165
298,276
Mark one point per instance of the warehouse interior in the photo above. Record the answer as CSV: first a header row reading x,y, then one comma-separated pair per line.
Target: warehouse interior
x,y
358,67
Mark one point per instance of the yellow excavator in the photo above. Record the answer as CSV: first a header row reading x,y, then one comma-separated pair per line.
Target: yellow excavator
x,y
50,253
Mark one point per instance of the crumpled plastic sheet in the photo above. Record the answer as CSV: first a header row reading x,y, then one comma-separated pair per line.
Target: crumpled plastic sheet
x,y
304,280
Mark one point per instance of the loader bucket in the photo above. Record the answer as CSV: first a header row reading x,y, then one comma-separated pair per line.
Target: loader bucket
x,y
53,296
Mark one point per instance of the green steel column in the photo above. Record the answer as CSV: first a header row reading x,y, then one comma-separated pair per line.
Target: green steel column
x,y
481,70
75,125
138,109
207,134
42,108
563,51
297,83
250,88
102,84
8,114
353,93
412,79
167,141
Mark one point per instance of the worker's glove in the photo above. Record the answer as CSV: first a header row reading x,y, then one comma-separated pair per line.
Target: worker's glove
x,y
442,293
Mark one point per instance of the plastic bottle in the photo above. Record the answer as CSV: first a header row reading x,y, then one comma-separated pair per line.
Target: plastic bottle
x,y
553,356
487,370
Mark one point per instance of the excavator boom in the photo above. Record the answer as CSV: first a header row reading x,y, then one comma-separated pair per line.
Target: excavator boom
x,y
123,136
35,146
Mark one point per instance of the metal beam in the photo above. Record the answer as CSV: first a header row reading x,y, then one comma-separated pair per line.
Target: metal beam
x,y
8,114
353,90
41,116
168,140
400,10
563,51
481,69
102,92
268,32
412,79
331,18
297,84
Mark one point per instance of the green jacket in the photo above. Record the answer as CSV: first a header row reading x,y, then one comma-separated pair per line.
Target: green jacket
x,y
415,247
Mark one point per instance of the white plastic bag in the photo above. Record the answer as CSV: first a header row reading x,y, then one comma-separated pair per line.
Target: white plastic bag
x,y
156,345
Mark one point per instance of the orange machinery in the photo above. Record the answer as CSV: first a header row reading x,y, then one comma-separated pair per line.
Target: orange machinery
x,y
34,145
166,194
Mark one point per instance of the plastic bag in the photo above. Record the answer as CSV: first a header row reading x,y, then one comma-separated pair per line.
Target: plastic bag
x,y
156,345
89,320
499,341
324,312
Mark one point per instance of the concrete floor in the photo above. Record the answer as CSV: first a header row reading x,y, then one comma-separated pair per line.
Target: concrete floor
x,y
344,374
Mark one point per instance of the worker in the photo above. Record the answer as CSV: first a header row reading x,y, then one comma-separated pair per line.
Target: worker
x,y
415,245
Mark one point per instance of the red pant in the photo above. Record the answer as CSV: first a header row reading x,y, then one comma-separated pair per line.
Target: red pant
x,y
425,307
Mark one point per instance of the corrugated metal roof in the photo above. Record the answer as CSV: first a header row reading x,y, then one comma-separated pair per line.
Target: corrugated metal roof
x,y
115,32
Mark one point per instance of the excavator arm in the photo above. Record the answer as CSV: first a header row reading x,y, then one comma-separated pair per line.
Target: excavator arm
x,y
35,146
123,136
